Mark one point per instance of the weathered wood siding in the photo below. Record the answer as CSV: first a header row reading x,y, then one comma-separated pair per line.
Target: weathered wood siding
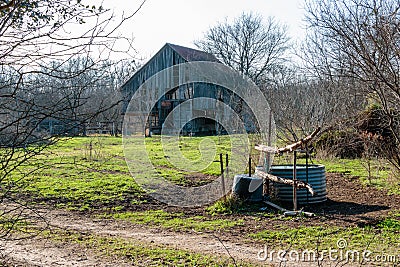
x,y
165,58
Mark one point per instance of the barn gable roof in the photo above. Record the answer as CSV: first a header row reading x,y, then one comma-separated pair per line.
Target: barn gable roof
x,y
190,54
185,53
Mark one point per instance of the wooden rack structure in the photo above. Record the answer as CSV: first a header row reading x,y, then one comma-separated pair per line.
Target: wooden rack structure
x,y
296,184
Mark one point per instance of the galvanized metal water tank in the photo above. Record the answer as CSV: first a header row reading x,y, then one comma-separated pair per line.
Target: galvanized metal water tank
x,y
316,178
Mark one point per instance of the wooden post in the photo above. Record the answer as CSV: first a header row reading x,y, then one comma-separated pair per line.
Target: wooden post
x,y
294,180
307,171
269,143
266,187
226,166
221,164
90,150
250,166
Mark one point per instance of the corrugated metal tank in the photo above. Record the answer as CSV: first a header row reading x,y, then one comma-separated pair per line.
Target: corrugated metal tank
x,y
316,178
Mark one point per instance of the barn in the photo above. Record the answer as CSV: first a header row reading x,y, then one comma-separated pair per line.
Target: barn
x,y
168,56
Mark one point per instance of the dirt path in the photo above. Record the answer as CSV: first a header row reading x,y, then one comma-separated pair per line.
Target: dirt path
x,y
44,253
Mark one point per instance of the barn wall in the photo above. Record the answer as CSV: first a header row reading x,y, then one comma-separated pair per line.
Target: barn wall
x,y
165,58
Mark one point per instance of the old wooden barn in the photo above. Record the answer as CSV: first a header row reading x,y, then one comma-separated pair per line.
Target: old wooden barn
x,y
168,56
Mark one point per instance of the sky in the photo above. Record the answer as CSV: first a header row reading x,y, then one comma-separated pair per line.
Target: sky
x,y
181,22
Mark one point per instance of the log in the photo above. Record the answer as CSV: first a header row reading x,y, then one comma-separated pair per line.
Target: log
x,y
276,179
289,148
275,206
289,213
300,212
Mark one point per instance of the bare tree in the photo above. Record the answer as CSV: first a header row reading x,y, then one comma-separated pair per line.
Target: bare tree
x,y
248,44
359,40
90,97
39,40
301,103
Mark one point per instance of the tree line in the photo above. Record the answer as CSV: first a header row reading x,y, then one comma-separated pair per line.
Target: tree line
x,y
345,76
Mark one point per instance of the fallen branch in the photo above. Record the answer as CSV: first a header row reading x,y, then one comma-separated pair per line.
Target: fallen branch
x,y
299,212
287,212
291,147
275,206
276,179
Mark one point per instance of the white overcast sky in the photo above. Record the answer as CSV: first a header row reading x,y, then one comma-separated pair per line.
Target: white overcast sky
x,y
183,21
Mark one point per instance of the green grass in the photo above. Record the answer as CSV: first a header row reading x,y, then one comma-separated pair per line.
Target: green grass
x,y
228,205
9,225
382,237
87,173
234,205
176,220
379,174
192,148
80,173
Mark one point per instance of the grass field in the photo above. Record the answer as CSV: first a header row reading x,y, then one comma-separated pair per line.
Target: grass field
x,y
90,174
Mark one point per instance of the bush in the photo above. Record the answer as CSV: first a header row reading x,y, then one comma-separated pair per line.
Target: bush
x,y
341,143
368,133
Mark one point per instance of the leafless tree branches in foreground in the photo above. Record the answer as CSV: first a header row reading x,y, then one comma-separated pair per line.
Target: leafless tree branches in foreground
x,y
54,64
